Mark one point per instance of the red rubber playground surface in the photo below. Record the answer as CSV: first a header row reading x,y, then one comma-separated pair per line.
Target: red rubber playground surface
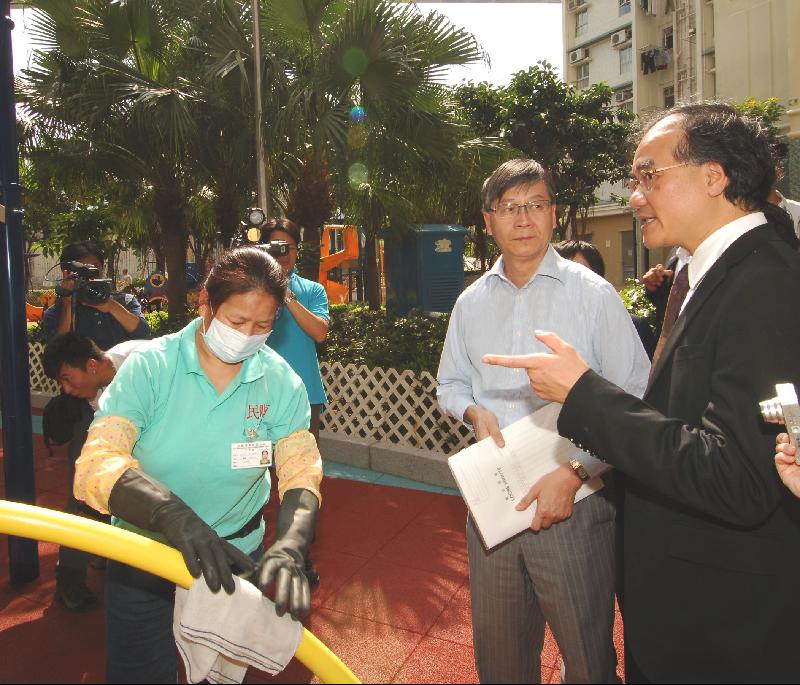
x,y
393,602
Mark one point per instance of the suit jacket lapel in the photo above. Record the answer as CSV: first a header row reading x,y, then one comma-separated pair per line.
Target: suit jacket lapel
x,y
737,251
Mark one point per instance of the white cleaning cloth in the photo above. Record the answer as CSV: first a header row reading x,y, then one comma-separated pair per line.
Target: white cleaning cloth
x,y
220,635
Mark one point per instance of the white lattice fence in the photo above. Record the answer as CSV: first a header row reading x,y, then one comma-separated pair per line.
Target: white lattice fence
x,y
39,381
386,404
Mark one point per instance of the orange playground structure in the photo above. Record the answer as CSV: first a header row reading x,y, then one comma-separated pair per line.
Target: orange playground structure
x,y
338,254
33,312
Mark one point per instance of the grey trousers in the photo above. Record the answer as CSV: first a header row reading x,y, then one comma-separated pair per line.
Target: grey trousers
x,y
563,576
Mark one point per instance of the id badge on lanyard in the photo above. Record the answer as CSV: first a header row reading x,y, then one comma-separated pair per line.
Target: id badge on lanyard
x,y
248,455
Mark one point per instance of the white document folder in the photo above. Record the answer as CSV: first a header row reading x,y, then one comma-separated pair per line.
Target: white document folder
x,y
492,480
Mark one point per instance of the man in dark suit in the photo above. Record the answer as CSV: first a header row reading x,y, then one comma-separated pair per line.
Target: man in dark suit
x,y
712,538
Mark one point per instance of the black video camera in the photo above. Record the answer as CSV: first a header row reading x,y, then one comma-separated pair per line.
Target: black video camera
x,y
252,234
88,288
276,248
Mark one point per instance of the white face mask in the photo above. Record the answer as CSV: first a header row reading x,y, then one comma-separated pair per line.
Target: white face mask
x,y
229,345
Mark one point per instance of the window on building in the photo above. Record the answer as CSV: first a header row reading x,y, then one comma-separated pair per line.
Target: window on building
x,y
669,97
627,106
624,7
628,255
625,60
668,39
582,76
581,22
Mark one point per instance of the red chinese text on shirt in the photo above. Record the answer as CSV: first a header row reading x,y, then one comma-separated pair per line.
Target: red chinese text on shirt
x,y
256,411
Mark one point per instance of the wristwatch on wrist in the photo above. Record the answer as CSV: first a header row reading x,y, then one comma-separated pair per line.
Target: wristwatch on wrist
x,y
580,469
290,296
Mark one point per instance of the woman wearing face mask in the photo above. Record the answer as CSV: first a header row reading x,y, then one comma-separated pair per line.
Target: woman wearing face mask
x,y
176,452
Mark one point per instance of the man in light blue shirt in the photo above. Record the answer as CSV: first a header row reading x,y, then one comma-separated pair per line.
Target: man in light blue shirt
x,y
302,322
562,571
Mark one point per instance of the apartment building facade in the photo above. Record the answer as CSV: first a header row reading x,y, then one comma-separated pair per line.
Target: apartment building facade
x,y
654,53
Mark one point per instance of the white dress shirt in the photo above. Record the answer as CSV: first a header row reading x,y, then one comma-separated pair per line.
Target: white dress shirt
x,y
711,249
793,209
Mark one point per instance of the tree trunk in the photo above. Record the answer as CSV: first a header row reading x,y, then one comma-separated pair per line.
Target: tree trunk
x,y
175,253
158,251
569,226
226,216
112,258
373,275
311,249
480,244
310,206
584,220
170,208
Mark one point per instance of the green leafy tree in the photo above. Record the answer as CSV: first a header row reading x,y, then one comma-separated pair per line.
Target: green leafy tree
x,y
577,135
66,202
768,112
117,84
157,98
365,109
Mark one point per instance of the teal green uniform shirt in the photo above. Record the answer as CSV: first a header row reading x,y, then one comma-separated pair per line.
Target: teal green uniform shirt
x,y
185,429
295,346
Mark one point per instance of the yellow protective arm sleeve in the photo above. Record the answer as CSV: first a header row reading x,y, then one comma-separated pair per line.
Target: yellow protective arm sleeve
x,y
298,463
105,456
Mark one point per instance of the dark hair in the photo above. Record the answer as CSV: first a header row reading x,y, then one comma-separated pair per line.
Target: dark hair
x,y
783,223
244,269
285,225
717,132
71,349
513,173
75,252
781,151
569,248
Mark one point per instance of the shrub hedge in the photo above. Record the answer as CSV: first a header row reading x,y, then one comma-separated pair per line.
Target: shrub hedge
x,y
360,336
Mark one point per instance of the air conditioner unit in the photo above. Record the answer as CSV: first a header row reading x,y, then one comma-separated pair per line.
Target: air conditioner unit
x,y
623,95
620,37
573,5
578,55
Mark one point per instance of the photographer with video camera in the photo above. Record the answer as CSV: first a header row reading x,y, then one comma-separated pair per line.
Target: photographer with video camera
x,y
86,304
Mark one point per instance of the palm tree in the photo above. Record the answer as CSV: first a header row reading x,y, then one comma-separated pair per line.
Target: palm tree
x,y
362,89
159,94
226,163
119,82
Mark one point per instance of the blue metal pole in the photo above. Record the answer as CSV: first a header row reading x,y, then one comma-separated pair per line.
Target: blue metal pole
x,y
15,392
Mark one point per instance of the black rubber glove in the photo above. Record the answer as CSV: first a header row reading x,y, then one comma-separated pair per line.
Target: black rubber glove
x,y
284,562
143,501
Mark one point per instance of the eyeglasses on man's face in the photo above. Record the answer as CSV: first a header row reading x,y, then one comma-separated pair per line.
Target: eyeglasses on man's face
x,y
507,210
647,176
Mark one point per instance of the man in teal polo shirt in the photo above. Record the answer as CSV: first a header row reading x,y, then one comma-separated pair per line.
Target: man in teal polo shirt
x,y
303,322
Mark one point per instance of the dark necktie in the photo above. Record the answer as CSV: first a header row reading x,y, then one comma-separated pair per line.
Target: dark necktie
x,y
677,294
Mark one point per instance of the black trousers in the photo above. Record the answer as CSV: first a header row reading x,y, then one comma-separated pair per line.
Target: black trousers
x,y
73,562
